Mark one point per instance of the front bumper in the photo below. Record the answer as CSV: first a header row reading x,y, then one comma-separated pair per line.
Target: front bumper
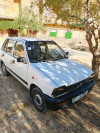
x,y
62,101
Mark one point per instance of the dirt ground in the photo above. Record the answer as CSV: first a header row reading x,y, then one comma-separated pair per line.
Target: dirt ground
x,y
18,114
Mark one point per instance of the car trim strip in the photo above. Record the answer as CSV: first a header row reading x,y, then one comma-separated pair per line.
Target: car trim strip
x,y
18,76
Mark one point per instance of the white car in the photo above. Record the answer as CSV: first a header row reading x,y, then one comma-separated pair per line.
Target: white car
x,y
43,67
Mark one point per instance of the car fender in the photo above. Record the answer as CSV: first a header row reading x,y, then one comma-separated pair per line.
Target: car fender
x,y
41,80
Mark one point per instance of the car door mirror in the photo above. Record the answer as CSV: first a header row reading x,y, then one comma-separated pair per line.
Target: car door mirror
x,y
67,53
22,59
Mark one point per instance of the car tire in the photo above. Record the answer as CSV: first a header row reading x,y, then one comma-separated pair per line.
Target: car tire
x,y
4,70
38,100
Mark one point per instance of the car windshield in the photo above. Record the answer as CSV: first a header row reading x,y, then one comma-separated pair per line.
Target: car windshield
x,y
44,51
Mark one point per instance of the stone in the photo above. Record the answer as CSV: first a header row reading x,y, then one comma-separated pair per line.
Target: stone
x,y
15,121
23,131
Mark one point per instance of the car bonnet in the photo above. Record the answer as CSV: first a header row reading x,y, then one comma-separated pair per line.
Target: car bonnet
x,y
64,71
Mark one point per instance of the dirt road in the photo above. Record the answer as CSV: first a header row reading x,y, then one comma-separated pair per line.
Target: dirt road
x,y
18,115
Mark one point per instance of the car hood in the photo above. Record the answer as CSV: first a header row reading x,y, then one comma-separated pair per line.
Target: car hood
x,y
64,71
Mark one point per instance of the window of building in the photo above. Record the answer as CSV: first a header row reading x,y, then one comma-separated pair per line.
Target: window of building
x,y
5,3
1,3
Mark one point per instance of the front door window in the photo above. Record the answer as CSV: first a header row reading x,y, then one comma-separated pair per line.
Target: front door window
x,y
19,50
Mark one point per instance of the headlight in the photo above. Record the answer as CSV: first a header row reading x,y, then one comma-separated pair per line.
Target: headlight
x,y
92,76
63,89
59,91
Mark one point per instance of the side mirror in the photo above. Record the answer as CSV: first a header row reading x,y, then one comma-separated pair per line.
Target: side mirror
x,y
67,53
22,59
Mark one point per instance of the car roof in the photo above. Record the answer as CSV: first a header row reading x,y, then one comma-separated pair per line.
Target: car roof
x,y
28,39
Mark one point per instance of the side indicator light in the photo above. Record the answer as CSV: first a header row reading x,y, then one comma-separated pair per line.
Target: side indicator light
x,y
32,77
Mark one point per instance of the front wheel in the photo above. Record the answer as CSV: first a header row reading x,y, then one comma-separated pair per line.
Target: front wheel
x,y
38,100
4,70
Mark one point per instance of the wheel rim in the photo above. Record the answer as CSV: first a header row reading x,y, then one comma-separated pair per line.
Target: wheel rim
x,y
38,100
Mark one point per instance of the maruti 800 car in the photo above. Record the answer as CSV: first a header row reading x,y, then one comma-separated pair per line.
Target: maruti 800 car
x,y
43,67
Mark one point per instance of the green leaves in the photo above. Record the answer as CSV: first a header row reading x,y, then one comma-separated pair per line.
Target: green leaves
x,y
73,11
27,19
15,25
5,24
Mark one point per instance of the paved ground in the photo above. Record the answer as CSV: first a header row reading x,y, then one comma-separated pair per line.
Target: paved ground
x,y
81,56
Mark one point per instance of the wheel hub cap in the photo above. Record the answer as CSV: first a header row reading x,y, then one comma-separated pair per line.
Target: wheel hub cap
x,y
38,100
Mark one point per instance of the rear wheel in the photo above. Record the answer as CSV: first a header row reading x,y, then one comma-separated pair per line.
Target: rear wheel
x,y
38,100
4,70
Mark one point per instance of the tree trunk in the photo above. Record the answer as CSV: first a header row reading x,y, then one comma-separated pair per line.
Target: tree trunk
x,y
96,56
40,6
95,66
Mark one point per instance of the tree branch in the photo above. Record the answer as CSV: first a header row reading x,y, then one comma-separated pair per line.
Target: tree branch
x,y
98,2
99,33
88,9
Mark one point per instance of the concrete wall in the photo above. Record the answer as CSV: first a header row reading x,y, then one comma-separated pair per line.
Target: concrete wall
x,y
25,3
78,37
3,36
9,8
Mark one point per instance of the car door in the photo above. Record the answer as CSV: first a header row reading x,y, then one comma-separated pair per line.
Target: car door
x,y
20,69
6,53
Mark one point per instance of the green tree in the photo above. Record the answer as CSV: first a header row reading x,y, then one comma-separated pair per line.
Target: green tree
x,y
6,24
29,20
86,12
26,20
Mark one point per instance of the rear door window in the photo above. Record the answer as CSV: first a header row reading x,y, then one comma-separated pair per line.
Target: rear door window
x,y
8,46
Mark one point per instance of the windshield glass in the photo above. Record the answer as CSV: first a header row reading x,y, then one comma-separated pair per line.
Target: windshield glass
x,y
44,51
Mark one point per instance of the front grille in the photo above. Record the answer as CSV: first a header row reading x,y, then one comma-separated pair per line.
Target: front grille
x,y
77,85
64,89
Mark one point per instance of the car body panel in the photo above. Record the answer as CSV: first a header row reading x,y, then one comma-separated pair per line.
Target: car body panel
x,y
61,102
20,68
65,71
40,79
45,75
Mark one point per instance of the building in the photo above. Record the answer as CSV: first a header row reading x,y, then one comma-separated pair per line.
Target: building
x,y
10,9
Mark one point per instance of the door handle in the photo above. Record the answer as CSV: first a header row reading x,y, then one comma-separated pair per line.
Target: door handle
x,y
2,55
12,61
